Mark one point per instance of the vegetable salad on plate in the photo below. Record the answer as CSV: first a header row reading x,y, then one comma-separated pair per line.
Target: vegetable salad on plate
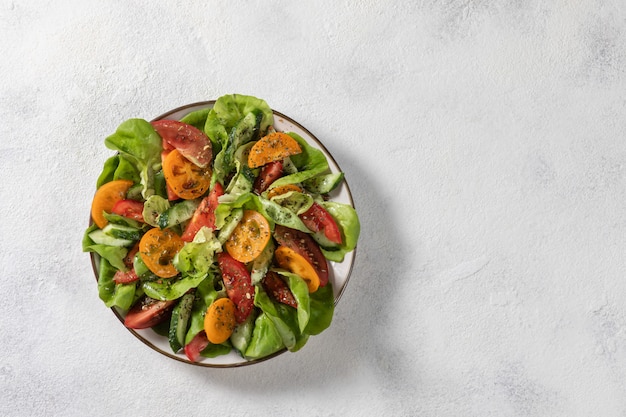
x,y
219,232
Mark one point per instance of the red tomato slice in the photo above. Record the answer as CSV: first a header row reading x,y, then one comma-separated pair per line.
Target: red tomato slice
x,y
317,219
204,214
129,259
197,345
171,195
304,245
127,277
191,142
132,209
148,312
238,285
269,173
278,289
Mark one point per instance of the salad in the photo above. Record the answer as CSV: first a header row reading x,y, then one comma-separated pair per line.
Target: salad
x,y
216,231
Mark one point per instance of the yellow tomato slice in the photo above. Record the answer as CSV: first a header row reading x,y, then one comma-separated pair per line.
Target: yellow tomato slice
x,y
273,147
105,198
293,262
249,237
157,249
219,320
283,189
187,180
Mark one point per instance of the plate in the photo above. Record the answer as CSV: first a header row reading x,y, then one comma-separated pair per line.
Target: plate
x,y
339,273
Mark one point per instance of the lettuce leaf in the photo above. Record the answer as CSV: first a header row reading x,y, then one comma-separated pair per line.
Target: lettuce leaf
x,y
114,295
137,141
322,308
348,222
196,257
114,255
310,163
273,212
300,291
228,110
266,340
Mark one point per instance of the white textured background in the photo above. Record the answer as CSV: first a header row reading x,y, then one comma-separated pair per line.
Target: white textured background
x,y
484,143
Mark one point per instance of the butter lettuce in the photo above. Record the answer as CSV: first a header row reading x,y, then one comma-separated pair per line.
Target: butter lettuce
x,y
350,227
138,142
226,113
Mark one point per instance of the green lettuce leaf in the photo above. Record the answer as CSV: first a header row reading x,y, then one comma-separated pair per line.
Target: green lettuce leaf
x,y
322,308
228,110
300,291
348,222
196,257
197,118
114,255
137,141
310,162
114,295
273,212
266,340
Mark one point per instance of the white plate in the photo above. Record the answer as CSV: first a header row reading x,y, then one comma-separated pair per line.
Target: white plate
x,y
339,273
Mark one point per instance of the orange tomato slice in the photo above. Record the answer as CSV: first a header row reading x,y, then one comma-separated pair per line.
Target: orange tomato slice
x,y
187,180
105,198
293,262
157,249
219,320
283,189
272,147
249,237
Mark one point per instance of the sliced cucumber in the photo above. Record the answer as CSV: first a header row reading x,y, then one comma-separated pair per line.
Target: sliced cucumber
x,y
240,339
124,221
289,167
134,193
100,238
262,263
177,214
323,241
247,129
294,201
231,222
120,231
242,182
323,184
180,322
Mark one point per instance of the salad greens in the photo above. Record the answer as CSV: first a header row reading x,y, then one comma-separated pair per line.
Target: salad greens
x,y
282,317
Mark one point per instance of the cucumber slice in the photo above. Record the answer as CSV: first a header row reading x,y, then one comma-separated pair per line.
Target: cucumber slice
x,y
262,263
100,238
323,241
240,339
231,222
323,184
178,213
120,231
180,322
124,221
